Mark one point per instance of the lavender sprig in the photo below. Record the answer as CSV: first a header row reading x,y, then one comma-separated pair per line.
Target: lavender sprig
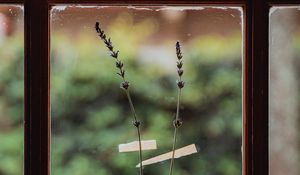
x,y
180,84
124,85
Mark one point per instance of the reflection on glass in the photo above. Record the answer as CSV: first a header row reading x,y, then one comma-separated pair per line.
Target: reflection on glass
x,y
11,89
284,90
91,115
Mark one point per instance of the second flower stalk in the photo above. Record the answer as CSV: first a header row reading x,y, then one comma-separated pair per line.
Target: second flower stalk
x,y
180,84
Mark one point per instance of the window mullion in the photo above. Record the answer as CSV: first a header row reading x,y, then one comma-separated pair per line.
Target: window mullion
x,y
257,96
37,125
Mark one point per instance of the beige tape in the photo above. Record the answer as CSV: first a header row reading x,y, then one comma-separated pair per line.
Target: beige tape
x,y
184,151
134,146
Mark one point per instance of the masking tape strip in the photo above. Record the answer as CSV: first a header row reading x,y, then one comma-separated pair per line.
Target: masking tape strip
x,y
134,146
184,151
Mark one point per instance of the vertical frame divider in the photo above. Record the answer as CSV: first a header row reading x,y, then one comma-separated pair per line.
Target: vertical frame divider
x,y
257,87
37,116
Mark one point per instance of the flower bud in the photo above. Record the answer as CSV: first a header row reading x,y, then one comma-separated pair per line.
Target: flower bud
x,y
177,46
180,83
179,64
180,72
121,73
97,26
136,123
177,123
178,51
119,64
124,85
108,44
179,56
114,54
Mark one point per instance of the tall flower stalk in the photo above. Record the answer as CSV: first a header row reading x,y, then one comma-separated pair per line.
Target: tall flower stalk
x,y
180,84
124,85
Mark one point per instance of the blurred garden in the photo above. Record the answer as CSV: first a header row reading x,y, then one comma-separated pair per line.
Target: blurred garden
x,y
11,90
90,113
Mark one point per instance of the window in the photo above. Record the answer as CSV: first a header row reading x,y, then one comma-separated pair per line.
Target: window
x,y
255,77
89,110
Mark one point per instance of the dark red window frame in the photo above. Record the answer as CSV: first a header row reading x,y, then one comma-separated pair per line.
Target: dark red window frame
x,y
255,80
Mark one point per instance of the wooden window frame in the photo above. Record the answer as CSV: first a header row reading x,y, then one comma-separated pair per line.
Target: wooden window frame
x,y
255,77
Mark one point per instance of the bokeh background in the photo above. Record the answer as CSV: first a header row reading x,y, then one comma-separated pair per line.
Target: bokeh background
x,y
11,89
91,115
284,101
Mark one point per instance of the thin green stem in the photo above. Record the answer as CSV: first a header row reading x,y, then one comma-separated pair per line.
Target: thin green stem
x,y
138,130
175,133
173,152
131,105
178,104
140,151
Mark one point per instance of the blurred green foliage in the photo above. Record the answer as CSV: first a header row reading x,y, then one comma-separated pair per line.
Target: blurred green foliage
x,y
91,116
11,105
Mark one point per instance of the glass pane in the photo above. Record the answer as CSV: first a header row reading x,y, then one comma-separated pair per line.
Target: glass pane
x,y
284,90
91,115
11,89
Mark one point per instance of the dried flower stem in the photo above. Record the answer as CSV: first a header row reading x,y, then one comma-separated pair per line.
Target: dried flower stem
x,y
136,124
173,151
124,85
177,122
